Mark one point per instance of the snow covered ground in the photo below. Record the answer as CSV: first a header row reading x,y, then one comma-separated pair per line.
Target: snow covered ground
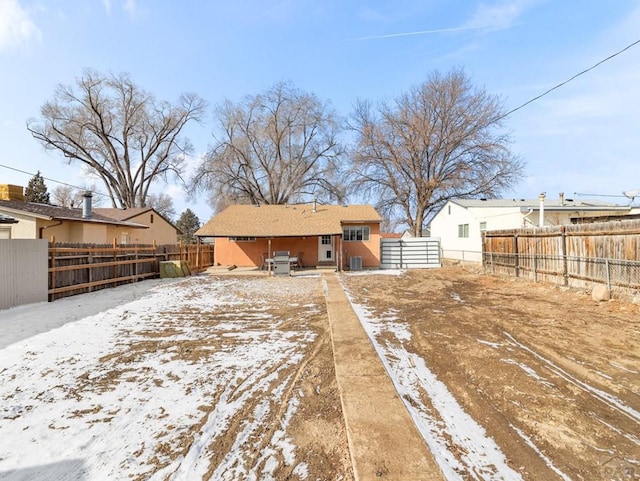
x,y
139,381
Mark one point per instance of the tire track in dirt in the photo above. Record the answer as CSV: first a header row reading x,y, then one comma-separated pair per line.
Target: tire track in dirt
x,y
559,397
606,398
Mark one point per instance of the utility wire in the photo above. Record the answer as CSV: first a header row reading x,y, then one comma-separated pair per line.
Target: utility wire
x,y
52,180
499,118
569,80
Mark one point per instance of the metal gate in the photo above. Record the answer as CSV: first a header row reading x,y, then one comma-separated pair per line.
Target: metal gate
x,y
411,253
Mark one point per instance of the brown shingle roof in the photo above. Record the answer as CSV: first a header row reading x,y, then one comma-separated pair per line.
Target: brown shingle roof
x,y
45,211
121,214
286,220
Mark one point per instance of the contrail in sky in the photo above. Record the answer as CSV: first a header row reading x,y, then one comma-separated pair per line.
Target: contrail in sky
x,y
420,32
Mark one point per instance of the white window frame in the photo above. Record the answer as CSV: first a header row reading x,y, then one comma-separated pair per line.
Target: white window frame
x,y
463,231
350,233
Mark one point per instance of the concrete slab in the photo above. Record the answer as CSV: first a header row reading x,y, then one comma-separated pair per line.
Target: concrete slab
x,y
384,442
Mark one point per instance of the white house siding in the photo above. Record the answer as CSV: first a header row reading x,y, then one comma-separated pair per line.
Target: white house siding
x,y
26,227
445,224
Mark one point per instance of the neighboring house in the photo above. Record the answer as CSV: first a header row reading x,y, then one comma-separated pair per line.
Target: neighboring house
x,y
325,235
460,223
5,226
160,229
42,221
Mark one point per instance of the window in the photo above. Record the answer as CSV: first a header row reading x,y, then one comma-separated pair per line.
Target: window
x,y
242,239
483,226
355,233
124,238
463,230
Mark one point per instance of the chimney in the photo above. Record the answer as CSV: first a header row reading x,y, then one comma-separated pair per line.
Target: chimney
x,y
86,205
561,199
315,206
11,192
541,220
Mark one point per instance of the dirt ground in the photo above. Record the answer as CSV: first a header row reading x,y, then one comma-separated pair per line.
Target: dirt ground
x,y
552,376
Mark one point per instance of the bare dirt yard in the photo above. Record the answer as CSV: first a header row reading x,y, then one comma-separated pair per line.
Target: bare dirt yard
x,y
551,376
232,378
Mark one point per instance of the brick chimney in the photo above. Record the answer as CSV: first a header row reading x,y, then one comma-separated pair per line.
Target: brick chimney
x,y
11,192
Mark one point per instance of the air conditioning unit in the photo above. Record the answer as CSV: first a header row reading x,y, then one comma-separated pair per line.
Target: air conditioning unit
x,y
355,263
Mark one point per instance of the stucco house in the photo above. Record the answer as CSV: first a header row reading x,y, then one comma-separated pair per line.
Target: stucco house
x,y
460,223
41,221
321,235
81,225
159,228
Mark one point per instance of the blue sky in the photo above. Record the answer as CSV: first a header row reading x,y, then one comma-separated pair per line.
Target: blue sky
x,y
583,137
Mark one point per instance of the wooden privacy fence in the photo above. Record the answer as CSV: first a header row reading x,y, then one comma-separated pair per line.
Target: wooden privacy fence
x,y
78,268
607,253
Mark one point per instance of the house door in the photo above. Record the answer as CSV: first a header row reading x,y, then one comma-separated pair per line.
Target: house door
x,y
325,248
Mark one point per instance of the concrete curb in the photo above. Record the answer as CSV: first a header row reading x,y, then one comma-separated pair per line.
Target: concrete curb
x,y
383,440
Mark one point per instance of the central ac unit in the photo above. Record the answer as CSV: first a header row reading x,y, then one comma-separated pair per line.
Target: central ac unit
x,y
355,263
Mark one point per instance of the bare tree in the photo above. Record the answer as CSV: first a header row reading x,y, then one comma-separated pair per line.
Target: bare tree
x,y
440,140
275,147
163,204
118,131
67,196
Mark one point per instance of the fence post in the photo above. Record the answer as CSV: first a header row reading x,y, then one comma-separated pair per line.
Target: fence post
x,y
565,268
535,267
52,260
115,258
515,253
606,265
198,266
90,273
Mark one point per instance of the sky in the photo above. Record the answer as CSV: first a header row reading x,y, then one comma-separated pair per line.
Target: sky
x,y
582,139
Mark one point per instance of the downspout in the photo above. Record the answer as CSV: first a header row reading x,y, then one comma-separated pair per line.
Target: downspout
x,y
47,227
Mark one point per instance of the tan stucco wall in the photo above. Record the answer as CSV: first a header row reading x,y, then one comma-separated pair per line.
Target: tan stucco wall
x,y
368,250
25,228
159,231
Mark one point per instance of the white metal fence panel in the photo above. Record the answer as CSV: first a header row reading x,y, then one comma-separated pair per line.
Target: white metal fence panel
x,y
24,274
412,253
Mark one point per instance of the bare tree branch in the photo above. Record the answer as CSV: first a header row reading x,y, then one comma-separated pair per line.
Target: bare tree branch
x,y
118,131
275,147
441,140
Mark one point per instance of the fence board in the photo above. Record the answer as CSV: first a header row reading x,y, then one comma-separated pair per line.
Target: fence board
x,y
574,255
78,268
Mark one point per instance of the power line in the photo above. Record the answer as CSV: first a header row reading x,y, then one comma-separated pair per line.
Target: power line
x,y
580,194
569,80
52,180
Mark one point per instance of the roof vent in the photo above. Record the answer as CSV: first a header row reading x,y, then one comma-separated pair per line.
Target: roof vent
x,y
86,205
